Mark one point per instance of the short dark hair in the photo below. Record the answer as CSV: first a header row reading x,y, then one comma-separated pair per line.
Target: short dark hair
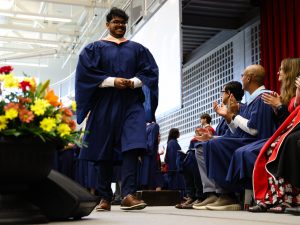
x,y
173,134
206,116
116,12
235,88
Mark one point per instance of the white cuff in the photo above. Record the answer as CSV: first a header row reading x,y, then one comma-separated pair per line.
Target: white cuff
x,y
108,82
136,82
242,123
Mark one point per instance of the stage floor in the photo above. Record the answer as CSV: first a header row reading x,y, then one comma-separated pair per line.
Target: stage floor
x,y
167,215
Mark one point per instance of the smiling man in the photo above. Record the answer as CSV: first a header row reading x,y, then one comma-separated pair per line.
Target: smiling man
x,y
109,79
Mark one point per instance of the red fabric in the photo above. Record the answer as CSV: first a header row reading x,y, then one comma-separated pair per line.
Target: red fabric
x,y
280,32
260,173
291,107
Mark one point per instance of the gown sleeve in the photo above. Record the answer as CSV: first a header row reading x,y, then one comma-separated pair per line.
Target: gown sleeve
x,y
148,74
87,80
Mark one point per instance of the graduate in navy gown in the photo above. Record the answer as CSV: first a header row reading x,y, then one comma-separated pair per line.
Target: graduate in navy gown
x,y
150,177
109,79
175,178
254,123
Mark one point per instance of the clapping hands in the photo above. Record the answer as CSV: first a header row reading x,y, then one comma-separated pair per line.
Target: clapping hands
x,y
272,99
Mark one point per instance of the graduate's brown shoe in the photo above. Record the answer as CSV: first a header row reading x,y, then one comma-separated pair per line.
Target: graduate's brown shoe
x,y
130,202
104,205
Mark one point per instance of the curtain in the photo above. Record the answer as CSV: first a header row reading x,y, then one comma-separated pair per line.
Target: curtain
x,y
280,36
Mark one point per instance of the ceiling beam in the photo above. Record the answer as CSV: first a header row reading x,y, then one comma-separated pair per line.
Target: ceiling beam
x,y
31,54
34,16
15,49
33,40
84,3
38,30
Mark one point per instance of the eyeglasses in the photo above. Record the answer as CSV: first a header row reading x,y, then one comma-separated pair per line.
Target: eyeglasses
x,y
118,22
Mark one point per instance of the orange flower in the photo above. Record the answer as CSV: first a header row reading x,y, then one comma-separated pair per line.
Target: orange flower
x,y
67,112
24,100
66,119
52,98
25,115
11,105
72,125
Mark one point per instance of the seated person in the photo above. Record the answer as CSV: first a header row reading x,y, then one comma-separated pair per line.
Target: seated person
x,y
234,88
276,179
242,161
252,123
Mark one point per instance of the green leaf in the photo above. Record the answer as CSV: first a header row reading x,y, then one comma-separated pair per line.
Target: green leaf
x,y
41,88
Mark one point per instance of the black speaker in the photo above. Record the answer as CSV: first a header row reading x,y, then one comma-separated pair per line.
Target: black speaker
x,y
60,198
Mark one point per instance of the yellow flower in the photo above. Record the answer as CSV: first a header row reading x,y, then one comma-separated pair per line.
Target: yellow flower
x,y
48,124
10,81
63,129
58,117
73,105
39,107
11,113
2,76
3,122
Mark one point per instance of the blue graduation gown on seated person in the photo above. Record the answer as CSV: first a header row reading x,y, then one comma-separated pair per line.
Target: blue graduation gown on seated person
x,y
116,121
218,152
242,164
243,160
222,127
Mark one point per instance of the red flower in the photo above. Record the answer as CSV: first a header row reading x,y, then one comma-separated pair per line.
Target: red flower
x,y
24,85
6,69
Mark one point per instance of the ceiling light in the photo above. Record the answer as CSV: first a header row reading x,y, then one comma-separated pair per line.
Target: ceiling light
x,y
24,64
57,19
6,14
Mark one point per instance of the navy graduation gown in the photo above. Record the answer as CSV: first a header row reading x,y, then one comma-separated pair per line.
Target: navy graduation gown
x,y
150,171
243,160
117,118
175,179
218,152
242,163
222,127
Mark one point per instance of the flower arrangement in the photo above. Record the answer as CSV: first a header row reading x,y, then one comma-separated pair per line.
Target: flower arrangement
x,y
31,109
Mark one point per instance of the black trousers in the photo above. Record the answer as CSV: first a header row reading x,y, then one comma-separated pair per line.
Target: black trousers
x,y
128,175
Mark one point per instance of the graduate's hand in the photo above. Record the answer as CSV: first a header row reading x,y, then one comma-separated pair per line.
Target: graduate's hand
x,y
233,106
272,99
121,83
220,109
130,84
203,137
